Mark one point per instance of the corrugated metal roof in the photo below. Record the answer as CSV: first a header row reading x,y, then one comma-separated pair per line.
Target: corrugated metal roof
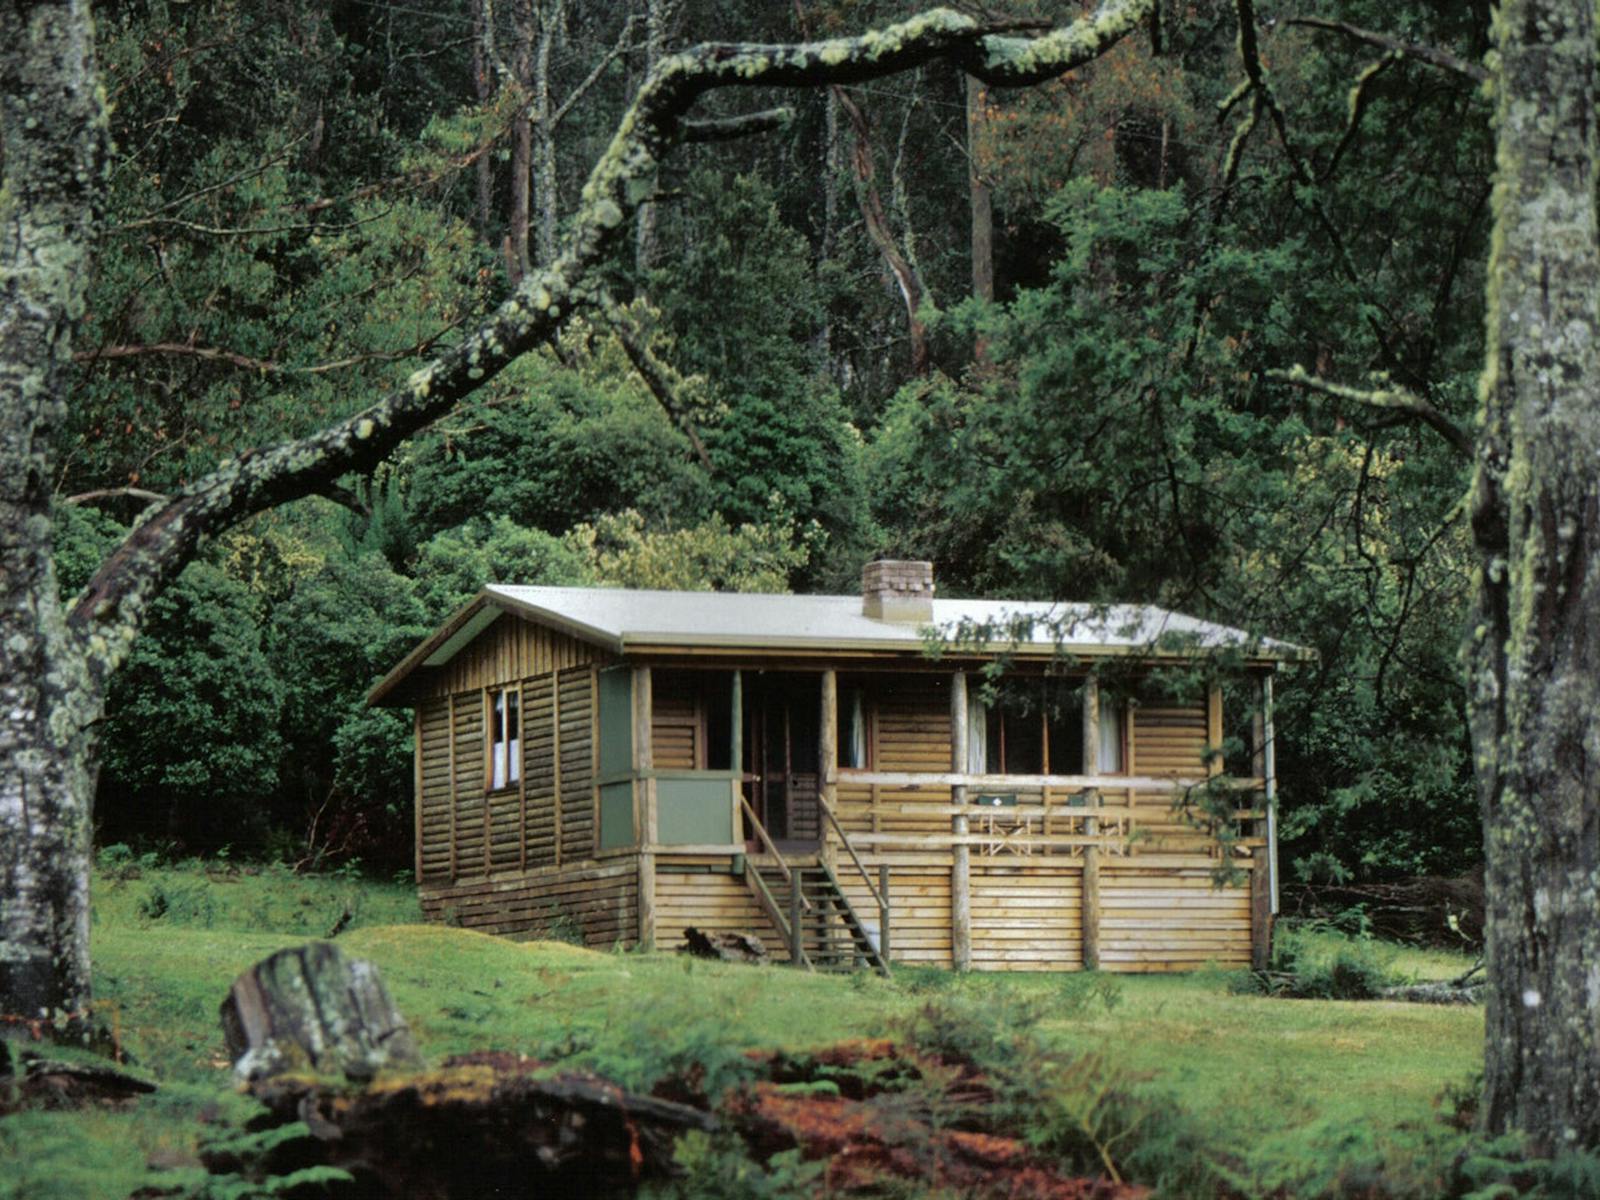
x,y
621,618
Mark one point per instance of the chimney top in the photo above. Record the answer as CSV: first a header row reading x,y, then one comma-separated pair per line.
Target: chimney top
x,y
897,591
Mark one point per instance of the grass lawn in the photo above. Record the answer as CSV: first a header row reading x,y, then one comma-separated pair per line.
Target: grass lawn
x,y
1297,1098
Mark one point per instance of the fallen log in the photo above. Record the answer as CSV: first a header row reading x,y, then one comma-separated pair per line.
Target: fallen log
x,y
317,1039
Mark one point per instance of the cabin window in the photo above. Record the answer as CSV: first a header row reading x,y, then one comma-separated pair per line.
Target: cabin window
x,y
1039,737
505,738
852,729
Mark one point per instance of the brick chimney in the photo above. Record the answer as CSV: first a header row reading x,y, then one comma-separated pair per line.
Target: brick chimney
x,y
897,591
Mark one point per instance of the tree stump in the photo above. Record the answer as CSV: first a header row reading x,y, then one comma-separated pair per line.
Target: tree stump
x,y
311,1008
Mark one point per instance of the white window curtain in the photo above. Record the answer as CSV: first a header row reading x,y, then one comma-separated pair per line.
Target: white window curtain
x,y
856,741
505,750
1110,754
977,738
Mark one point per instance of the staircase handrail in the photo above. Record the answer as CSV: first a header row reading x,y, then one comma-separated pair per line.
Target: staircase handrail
x,y
765,839
827,811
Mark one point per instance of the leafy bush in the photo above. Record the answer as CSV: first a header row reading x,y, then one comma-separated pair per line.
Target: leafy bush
x,y
1317,964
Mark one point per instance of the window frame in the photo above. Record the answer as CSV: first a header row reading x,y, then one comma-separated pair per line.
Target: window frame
x,y
502,747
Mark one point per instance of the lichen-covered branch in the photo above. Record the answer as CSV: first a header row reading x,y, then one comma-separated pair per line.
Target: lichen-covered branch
x,y
727,129
111,609
1397,399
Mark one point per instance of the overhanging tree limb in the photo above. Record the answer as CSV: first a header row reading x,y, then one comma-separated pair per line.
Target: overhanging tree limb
x,y
1397,399
1432,55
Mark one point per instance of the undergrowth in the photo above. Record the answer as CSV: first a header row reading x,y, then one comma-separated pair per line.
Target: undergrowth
x,y
1314,962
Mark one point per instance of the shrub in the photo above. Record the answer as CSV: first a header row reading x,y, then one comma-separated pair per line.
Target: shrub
x,y
1312,963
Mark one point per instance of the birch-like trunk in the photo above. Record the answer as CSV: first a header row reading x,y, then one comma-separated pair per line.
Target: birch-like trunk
x,y
52,138
1535,648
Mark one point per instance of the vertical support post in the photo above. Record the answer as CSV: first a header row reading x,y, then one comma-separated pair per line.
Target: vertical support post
x,y
555,755
1260,873
1090,916
645,800
1269,753
522,778
453,786
736,750
828,753
416,793
961,861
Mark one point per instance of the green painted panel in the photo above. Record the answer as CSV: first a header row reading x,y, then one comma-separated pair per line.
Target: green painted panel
x,y
616,815
694,812
616,721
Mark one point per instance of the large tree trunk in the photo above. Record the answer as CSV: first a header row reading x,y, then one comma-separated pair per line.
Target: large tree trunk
x,y
1536,645
52,121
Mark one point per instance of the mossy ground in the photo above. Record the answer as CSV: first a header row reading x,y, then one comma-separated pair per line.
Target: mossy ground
x,y
1299,1095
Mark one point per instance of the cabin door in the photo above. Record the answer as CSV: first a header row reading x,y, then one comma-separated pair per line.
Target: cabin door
x,y
781,780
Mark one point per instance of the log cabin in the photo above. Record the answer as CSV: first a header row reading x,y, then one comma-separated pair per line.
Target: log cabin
x,y
843,777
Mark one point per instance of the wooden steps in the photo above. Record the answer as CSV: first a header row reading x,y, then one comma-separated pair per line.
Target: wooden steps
x,y
831,936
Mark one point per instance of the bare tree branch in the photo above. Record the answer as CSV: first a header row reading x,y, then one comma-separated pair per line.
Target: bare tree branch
x,y
118,493
1431,55
1397,399
726,129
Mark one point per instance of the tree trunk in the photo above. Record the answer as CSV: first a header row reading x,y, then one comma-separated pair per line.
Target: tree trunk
x,y
1535,650
52,120
982,205
518,261
877,223
552,16
483,89
658,15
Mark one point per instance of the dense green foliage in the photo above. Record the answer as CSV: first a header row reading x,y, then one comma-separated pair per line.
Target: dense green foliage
x,y
305,197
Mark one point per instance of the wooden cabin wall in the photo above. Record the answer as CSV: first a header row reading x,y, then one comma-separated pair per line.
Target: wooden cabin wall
x,y
598,901
508,650
1170,918
706,894
514,859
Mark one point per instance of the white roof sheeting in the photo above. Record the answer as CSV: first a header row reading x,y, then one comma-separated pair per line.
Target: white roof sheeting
x,y
622,619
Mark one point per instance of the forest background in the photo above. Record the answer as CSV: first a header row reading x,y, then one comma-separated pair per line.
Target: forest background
x,y
1028,335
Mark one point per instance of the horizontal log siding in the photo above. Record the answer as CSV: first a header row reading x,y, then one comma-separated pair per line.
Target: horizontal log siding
x,y
1025,918
601,901
576,685
910,731
1167,742
919,909
509,650
435,823
1171,918
674,727
712,902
